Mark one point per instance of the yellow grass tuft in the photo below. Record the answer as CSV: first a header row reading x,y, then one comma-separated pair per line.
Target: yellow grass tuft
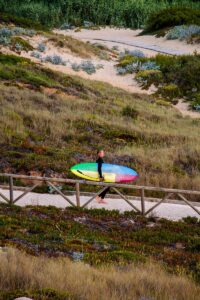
x,y
21,271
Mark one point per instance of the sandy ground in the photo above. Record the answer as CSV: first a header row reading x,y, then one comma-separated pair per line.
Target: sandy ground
x,y
106,74
183,107
124,39
127,38
165,210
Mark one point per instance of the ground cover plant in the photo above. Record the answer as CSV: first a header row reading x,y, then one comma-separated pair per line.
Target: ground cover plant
x,y
171,74
101,238
130,13
184,32
67,118
15,38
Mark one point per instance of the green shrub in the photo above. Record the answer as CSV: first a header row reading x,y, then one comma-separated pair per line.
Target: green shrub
x,y
20,21
170,91
148,77
171,17
22,42
163,102
130,112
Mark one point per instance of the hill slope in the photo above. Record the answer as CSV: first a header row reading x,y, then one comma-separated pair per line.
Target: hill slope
x,y
64,119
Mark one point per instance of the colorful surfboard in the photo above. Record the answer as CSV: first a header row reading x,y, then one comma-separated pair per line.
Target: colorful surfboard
x,y
111,173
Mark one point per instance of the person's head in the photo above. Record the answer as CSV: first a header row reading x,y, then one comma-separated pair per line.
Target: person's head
x,y
100,153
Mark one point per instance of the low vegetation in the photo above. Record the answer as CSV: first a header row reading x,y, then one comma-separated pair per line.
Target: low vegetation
x,y
95,234
84,50
67,118
171,74
136,282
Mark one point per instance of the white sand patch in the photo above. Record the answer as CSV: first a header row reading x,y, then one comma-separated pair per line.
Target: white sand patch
x,y
183,107
165,210
127,38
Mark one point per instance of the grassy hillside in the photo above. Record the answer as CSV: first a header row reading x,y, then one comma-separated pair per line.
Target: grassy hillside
x,y
131,13
100,238
135,282
64,119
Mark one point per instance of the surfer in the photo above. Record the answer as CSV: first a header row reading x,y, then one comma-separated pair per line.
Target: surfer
x,y
99,161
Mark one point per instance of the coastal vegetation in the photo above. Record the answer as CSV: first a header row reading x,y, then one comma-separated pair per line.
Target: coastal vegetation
x,y
120,245
170,74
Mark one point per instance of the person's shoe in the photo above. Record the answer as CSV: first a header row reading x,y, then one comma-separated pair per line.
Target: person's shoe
x,y
98,199
102,201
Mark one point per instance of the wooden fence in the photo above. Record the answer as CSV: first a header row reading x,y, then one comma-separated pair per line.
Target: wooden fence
x,y
53,182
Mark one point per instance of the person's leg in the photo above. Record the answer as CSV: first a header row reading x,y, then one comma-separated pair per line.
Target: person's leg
x,y
102,195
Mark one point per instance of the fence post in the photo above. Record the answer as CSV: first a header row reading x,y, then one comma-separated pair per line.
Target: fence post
x,y
78,194
11,190
142,202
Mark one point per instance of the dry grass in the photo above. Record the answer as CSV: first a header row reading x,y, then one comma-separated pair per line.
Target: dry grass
x,y
160,144
81,49
20,271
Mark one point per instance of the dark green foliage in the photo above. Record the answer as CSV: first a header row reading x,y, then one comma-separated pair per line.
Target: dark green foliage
x,y
130,112
130,13
20,21
171,17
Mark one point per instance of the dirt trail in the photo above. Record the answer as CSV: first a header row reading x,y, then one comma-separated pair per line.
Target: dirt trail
x,y
127,38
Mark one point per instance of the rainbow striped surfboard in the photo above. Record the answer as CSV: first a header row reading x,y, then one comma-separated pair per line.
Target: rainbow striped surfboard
x,y
111,173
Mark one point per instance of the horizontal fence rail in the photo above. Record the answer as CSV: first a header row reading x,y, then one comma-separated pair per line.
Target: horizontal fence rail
x,y
52,183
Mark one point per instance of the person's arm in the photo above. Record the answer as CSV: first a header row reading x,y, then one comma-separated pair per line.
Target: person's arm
x,y
100,162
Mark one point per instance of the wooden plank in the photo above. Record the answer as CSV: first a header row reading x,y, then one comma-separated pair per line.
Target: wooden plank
x,y
78,194
4,198
128,186
91,199
25,193
59,192
142,202
186,201
157,204
11,189
133,206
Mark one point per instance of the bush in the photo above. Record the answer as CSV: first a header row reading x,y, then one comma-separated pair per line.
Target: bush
x,y
132,53
66,26
126,60
41,47
170,91
183,32
36,54
55,60
163,102
86,66
149,65
130,112
20,21
149,77
171,17
21,44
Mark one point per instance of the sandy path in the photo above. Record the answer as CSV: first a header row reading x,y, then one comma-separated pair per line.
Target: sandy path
x,y
127,38
165,210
